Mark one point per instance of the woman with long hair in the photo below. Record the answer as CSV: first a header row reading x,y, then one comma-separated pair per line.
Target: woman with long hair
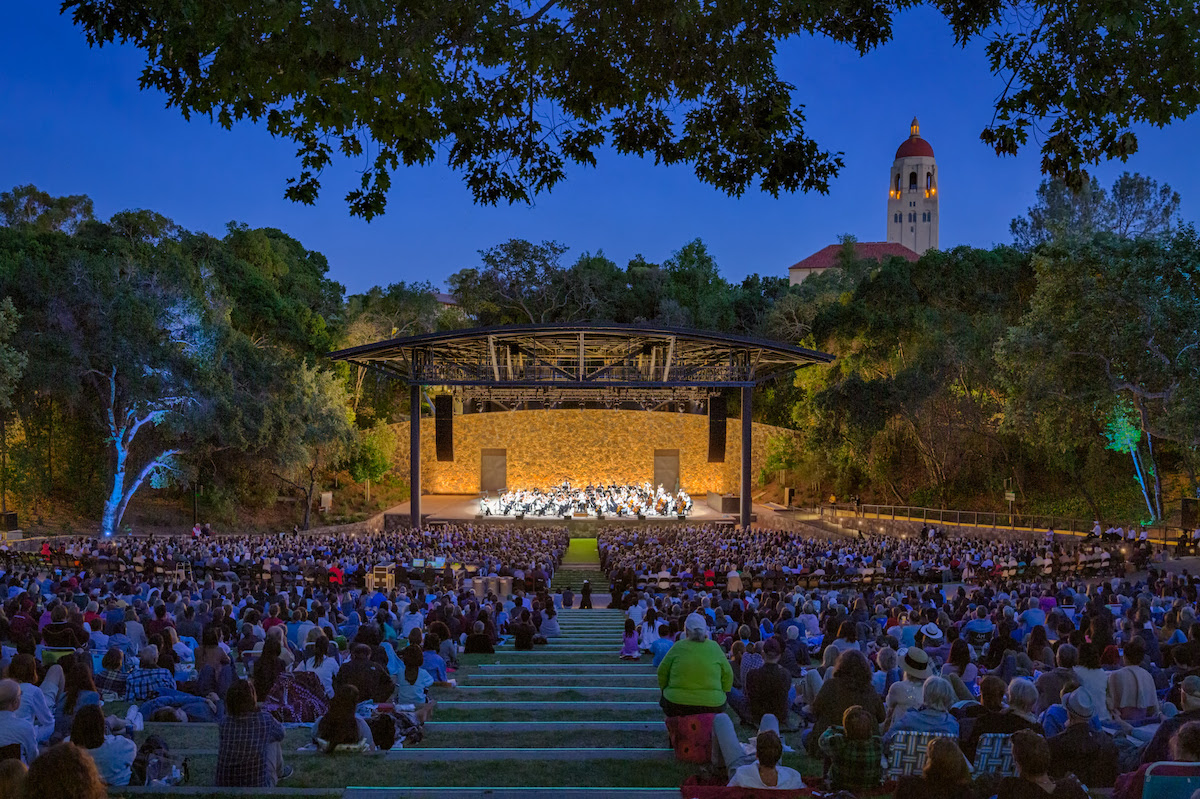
x,y
320,663
414,683
848,684
113,754
946,775
64,771
268,667
341,726
1038,648
79,690
959,669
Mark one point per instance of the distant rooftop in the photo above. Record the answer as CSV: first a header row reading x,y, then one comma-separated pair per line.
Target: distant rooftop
x,y
879,250
444,298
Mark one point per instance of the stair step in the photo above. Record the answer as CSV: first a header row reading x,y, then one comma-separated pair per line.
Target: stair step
x,y
470,692
585,704
424,753
543,726
491,793
627,667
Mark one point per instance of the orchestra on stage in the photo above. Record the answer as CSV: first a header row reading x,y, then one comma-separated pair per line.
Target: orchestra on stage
x,y
612,500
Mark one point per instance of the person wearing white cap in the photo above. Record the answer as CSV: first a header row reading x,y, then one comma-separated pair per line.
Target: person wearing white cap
x,y
694,675
1089,755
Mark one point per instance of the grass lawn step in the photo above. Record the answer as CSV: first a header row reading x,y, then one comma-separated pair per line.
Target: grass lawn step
x,y
425,754
470,735
567,680
564,645
559,736
502,728
557,693
348,771
486,712
549,705
511,793
622,666
525,660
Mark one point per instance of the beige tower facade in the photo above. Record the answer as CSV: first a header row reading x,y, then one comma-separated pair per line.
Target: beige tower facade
x,y
913,194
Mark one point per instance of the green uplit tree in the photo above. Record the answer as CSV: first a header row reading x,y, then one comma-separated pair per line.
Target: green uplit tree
x,y
1121,434
373,459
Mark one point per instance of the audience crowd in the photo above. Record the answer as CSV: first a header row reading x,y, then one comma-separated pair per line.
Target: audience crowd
x,y
850,647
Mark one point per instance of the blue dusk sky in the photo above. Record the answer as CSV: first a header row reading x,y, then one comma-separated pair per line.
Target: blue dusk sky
x,y
75,122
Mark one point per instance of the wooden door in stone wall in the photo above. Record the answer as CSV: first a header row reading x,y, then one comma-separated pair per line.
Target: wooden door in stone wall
x,y
666,469
493,471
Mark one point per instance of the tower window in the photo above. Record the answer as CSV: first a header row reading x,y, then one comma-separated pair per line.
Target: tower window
x,y
912,180
929,180
897,183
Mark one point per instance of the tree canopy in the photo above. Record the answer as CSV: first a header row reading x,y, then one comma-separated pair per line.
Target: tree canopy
x,y
511,93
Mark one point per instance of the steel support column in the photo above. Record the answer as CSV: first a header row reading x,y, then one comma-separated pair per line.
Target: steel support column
x,y
414,454
745,503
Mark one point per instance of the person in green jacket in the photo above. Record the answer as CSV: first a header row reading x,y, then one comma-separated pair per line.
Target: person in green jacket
x,y
694,676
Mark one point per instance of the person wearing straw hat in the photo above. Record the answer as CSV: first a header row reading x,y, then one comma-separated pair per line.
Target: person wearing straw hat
x,y
906,694
1089,755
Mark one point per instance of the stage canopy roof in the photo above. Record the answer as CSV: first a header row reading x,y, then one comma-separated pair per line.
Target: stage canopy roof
x,y
588,362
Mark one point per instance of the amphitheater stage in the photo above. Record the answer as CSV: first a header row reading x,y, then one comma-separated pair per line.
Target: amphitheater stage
x,y
465,507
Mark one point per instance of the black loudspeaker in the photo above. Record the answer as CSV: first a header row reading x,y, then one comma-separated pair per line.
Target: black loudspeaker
x,y
443,426
789,494
716,429
1188,516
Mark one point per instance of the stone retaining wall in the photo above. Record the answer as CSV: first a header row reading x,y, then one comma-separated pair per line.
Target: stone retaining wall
x,y
545,447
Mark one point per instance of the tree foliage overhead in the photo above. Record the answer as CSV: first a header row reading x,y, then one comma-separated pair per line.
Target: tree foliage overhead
x,y
510,93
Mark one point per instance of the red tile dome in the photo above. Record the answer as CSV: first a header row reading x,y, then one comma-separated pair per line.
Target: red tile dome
x,y
914,146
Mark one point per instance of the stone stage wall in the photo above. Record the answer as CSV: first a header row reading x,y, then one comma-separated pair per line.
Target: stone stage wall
x,y
545,447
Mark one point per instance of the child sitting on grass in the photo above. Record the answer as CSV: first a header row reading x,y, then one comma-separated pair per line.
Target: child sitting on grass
x,y
660,645
629,650
854,750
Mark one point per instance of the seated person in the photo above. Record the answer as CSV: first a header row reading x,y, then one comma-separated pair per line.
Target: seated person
x,y
249,754
1031,755
34,707
111,677
113,754
1022,696
1080,750
14,730
1159,746
1184,747
854,750
1131,689
932,716
413,684
341,726
660,645
947,774
478,642
370,679
148,680
766,772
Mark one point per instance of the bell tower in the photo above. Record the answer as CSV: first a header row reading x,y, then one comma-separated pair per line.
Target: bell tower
x,y
913,194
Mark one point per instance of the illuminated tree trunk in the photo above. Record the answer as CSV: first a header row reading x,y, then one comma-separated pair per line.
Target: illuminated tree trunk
x,y
123,429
